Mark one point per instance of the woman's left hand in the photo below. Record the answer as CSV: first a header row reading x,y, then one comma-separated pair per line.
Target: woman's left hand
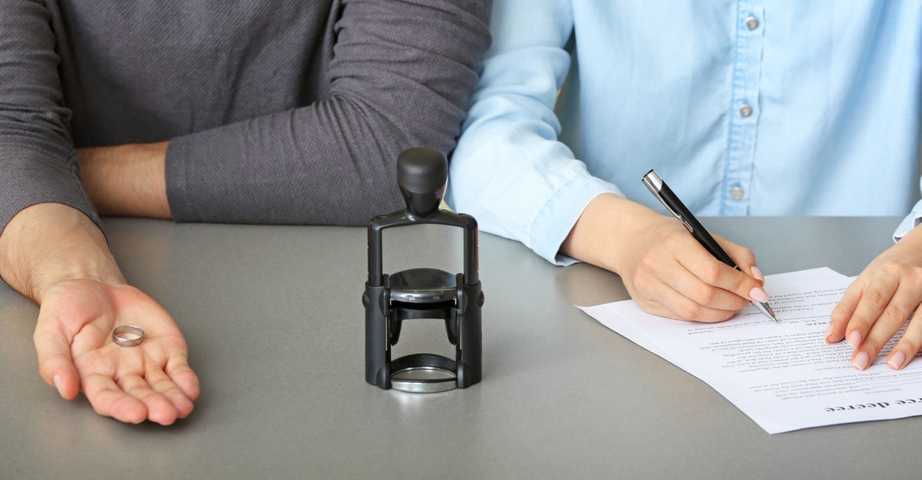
x,y
879,301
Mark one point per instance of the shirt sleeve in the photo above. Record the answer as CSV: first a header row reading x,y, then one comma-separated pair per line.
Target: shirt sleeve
x,y
509,170
38,163
401,76
911,221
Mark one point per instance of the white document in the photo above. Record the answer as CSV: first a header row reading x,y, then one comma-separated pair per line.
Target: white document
x,y
603,313
782,375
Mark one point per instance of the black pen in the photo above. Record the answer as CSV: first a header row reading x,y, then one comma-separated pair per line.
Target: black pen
x,y
664,194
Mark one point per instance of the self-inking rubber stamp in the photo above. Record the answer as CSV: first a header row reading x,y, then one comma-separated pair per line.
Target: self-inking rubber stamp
x,y
422,293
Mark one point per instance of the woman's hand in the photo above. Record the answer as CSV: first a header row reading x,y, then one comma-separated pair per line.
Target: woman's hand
x,y
666,271
73,337
877,304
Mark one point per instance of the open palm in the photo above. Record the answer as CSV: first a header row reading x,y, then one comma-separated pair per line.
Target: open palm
x,y
73,338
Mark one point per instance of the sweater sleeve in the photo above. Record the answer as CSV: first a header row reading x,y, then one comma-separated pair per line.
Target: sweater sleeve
x,y
37,159
401,75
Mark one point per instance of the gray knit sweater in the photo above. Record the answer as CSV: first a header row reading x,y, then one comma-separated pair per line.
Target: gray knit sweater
x,y
279,111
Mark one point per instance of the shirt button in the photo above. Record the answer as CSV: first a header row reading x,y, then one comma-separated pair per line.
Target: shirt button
x,y
745,111
737,193
752,23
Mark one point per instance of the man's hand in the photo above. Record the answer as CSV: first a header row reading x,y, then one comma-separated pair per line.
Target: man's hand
x,y
74,342
876,305
666,271
57,257
126,179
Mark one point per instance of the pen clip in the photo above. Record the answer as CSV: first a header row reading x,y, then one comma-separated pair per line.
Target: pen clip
x,y
656,193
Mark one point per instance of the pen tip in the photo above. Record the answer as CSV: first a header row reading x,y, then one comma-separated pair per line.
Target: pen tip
x,y
771,312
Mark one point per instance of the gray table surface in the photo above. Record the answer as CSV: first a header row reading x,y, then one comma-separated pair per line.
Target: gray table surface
x,y
274,323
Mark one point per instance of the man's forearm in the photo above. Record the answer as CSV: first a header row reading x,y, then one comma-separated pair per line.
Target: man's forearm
x,y
50,242
126,180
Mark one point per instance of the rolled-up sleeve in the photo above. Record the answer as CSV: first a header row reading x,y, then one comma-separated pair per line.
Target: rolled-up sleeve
x,y
37,159
510,170
402,75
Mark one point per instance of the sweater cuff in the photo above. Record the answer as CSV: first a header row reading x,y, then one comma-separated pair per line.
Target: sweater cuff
x,y
558,216
179,153
30,177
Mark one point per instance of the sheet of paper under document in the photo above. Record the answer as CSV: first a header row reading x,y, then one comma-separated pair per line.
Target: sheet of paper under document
x,y
782,375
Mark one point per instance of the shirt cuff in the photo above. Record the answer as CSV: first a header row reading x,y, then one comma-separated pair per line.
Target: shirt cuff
x,y
555,220
908,223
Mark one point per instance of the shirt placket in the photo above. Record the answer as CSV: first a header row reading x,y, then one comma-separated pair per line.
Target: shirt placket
x,y
744,108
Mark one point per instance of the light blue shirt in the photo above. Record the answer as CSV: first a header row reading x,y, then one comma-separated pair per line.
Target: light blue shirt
x,y
743,107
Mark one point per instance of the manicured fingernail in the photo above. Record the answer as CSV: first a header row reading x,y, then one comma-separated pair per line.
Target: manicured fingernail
x,y
758,294
757,274
828,332
854,338
896,361
861,360
57,384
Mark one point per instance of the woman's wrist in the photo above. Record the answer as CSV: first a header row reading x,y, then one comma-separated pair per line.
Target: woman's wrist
x,y
602,234
911,242
49,243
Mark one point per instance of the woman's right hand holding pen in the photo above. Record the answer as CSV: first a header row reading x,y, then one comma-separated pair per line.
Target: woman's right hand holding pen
x,y
666,271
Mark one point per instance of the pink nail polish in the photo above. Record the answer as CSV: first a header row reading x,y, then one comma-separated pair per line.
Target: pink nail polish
x,y
896,361
757,274
854,338
57,384
758,294
861,360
